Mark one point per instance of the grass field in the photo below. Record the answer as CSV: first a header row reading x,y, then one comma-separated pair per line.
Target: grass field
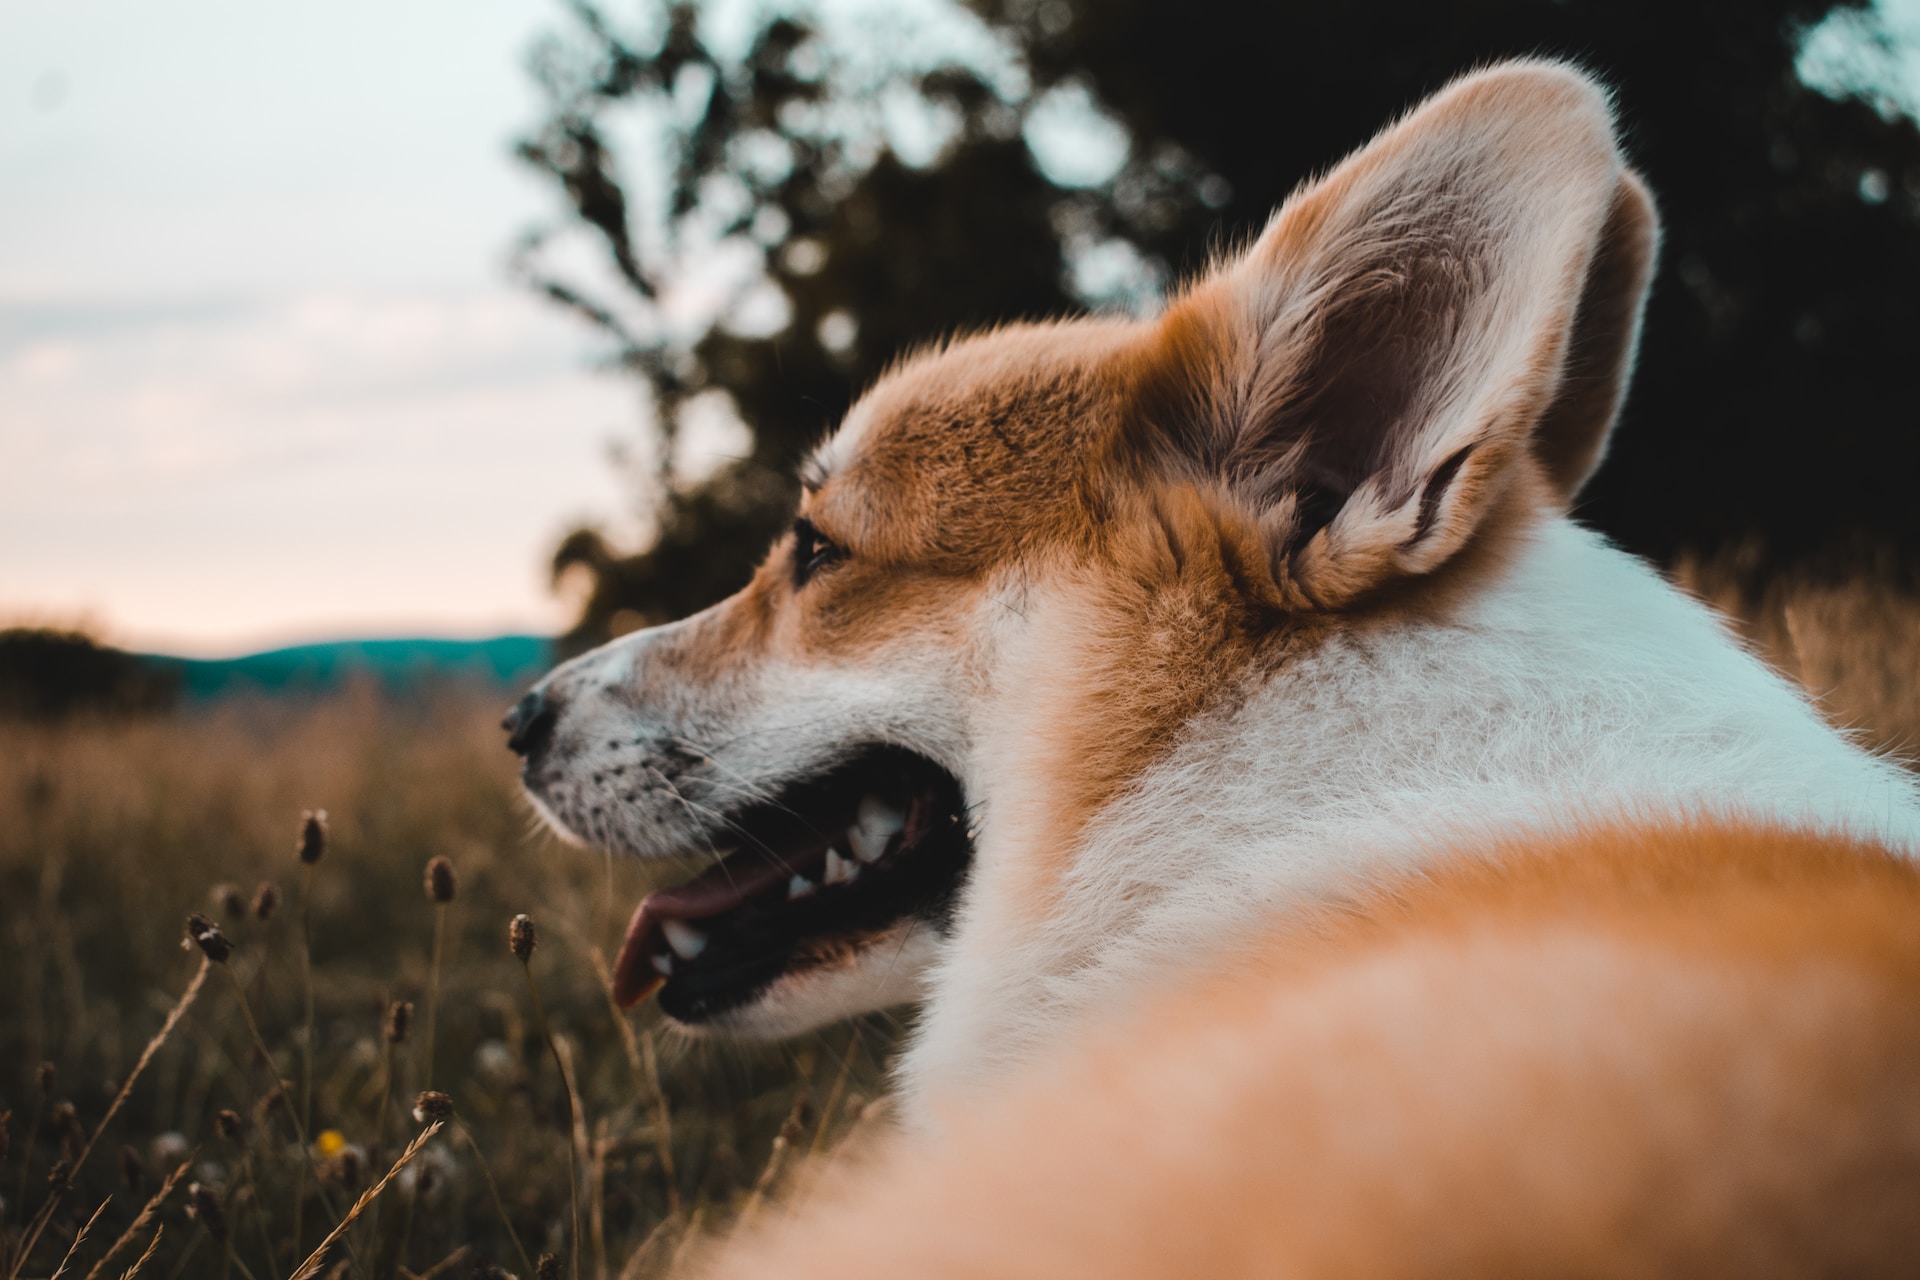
x,y
111,833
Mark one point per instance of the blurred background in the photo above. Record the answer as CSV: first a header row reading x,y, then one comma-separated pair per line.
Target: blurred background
x,y
358,359
510,317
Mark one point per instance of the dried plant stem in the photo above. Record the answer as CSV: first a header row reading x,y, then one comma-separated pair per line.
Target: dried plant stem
x,y
447,1263
153,1247
386,1097
583,1157
300,1128
26,1153
193,1247
684,1247
141,1220
638,1259
311,1266
179,1010
493,1189
260,1219
380,1146
391,1258
80,1238
233,1259
573,1110
433,987
646,1072
306,1042
776,1159
834,1095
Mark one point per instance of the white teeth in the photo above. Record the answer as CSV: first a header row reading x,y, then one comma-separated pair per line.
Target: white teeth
x,y
686,941
879,817
866,846
663,965
840,870
800,887
874,826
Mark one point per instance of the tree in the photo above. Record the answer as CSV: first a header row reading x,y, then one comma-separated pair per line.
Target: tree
x,y
48,674
1776,394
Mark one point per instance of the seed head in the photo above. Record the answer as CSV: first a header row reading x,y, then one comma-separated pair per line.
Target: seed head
x,y
43,1078
169,1148
442,884
271,1101
232,1127
432,1105
132,1172
64,1118
548,1268
520,936
203,1202
205,934
59,1175
399,1018
265,899
347,1166
230,899
313,836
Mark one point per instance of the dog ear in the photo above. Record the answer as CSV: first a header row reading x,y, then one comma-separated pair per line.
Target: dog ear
x,y
1454,305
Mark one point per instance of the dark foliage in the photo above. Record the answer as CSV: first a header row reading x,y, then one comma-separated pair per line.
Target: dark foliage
x,y
1775,401
46,674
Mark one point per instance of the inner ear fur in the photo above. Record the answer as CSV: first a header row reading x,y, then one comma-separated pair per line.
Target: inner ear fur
x,y
1453,306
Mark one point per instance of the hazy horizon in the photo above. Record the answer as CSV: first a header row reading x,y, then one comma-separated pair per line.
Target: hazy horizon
x,y
263,378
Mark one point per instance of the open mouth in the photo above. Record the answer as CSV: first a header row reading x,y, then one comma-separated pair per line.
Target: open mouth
x,y
827,867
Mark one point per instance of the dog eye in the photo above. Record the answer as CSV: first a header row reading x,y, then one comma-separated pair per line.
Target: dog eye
x,y
812,551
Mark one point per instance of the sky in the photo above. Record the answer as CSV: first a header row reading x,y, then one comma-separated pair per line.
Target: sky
x,y
262,375
263,378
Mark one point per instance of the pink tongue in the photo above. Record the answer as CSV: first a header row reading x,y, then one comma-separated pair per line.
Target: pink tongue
x,y
718,889
721,887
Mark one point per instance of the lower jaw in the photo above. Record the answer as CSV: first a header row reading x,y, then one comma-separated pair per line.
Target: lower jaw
x,y
816,982
698,998
795,916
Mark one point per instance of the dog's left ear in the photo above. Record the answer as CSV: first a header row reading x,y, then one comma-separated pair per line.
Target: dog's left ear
x,y
1455,304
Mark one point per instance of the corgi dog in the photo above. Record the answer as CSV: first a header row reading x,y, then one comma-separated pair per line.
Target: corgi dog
x,y
1107,657
1637,1048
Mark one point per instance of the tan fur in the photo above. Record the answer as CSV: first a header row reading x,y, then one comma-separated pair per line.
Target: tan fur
x,y
1646,1048
1161,468
1665,1050
1679,1050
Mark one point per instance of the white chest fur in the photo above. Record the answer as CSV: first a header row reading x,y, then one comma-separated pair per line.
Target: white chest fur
x,y
1581,686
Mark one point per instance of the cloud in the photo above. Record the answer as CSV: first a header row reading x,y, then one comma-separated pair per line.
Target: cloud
x,y
388,459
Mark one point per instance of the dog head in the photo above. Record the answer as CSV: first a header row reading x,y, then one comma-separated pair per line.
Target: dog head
x,y
1027,559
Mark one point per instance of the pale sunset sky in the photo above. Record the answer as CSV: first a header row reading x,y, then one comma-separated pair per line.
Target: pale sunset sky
x,y
263,378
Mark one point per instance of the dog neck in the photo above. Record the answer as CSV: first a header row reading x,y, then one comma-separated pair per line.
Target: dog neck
x,y
1577,686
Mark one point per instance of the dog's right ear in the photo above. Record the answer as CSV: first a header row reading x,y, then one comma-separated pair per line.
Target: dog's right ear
x,y
1455,304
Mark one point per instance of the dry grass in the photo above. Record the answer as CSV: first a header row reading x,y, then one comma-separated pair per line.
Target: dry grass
x,y
112,832
1854,644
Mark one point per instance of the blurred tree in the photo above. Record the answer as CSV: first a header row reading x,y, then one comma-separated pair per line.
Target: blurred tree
x,y
1776,395
48,674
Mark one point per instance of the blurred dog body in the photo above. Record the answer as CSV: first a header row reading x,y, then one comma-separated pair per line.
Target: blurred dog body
x,y
1638,1050
1196,626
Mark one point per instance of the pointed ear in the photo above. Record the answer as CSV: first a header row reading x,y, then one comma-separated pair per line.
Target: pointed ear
x,y
1450,312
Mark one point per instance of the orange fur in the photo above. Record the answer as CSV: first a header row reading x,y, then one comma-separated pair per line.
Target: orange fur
x,y
1672,1048
1688,1049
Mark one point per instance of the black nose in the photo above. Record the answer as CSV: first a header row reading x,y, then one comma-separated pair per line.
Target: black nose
x,y
529,724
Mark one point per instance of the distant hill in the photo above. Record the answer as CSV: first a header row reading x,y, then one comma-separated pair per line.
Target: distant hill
x,y
311,668
47,673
